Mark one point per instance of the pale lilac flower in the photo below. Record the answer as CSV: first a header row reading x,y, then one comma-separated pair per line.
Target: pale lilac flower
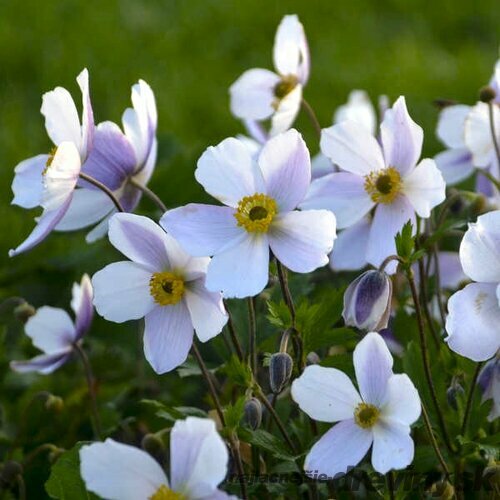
x,y
474,311
489,383
198,464
380,414
53,331
260,198
385,177
260,94
162,284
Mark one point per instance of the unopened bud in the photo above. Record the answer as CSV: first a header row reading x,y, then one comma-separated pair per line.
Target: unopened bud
x,y
152,444
487,94
54,403
312,359
55,454
10,471
280,371
367,301
492,474
24,311
453,393
443,490
253,413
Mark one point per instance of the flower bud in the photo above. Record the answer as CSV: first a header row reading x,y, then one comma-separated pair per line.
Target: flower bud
x,y
253,413
280,371
152,444
54,403
55,454
487,94
24,311
443,490
492,474
312,359
453,392
367,301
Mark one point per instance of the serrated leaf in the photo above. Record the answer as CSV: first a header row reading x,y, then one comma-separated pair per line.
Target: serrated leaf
x,y
266,441
234,413
238,372
278,314
405,242
173,413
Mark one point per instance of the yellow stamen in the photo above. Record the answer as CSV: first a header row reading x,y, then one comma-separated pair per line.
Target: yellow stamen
x,y
366,415
50,159
255,213
166,288
384,186
283,88
165,493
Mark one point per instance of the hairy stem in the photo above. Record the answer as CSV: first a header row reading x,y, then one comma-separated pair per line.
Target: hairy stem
x,y
252,336
312,116
104,189
470,398
434,444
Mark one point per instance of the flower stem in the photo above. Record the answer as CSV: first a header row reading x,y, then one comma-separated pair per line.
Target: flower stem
x,y
390,484
150,194
252,336
232,333
433,441
285,290
425,301
96,420
312,116
425,359
470,398
104,189
493,131
388,260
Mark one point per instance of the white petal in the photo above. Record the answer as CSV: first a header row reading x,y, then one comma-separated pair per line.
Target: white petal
x,y
455,165
228,172
349,251
27,185
242,270
393,446
286,112
339,450
82,295
424,186
402,402
100,230
480,249
359,109
302,240
451,125
121,291
352,148
168,336
198,457
120,472
472,322
321,166
207,311
87,131
325,394
373,366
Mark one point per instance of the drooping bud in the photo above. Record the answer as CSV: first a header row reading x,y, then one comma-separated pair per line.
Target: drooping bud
x,y
152,444
453,393
312,359
253,413
487,94
367,301
442,490
54,403
24,311
280,371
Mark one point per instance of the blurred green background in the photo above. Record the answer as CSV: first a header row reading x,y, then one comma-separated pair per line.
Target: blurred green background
x,y
190,52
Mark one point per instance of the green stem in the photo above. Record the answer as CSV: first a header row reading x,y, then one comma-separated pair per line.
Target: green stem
x,y
470,398
312,116
285,290
434,444
232,333
252,336
493,132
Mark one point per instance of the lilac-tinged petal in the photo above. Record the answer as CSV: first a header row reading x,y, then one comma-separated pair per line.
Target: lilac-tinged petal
x,y
339,450
87,132
287,110
302,240
27,185
401,138
393,447
325,394
51,329
81,303
342,193
478,133
451,125
489,383
44,363
451,274
112,158
198,457
100,230
388,221
321,166
349,251
121,292
206,309
350,146
143,175
480,249
228,172
424,186
203,230
256,131
242,270
140,239
402,402
373,366
291,52
359,109
168,336
118,471
286,168
455,165
472,322
252,94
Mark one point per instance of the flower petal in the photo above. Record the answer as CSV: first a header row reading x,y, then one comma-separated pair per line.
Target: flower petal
x,y
120,472
424,186
27,185
393,447
203,230
325,394
242,270
286,112
87,131
44,363
451,125
286,169
350,146
302,240
198,457
472,322
339,450
100,230
359,109
402,402
373,366
168,336
451,274
121,291
321,166
455,165
401,138
349,251
81,303
342,193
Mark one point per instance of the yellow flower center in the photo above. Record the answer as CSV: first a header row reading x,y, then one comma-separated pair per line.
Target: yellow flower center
x,y
165,493
384,186
166,288
283,88
255,213
50,159
366,415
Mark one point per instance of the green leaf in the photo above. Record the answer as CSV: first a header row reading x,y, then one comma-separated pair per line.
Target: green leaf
x,y
238,372
65,482
173,413
266,441
405,242
234,413
278,314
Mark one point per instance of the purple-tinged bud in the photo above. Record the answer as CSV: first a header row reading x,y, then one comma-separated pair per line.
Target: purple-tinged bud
x,y
253,413
312,359
280,371
367,301
453,392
